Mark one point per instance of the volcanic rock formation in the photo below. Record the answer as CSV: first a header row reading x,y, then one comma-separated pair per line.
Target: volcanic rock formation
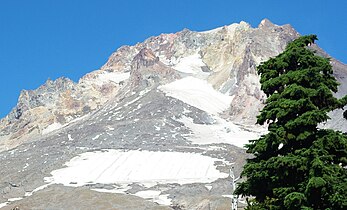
x,y
178,101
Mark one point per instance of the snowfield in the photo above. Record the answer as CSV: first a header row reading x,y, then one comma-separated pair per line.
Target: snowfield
x,y
198,93
221,131
191,64
144,167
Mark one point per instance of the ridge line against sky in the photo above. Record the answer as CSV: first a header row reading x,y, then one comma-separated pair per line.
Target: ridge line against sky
x,y
43,39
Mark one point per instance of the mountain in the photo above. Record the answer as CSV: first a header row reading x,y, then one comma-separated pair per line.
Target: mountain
x,y
164,120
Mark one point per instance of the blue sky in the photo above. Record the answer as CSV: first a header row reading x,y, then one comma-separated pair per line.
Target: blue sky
x,y
43,39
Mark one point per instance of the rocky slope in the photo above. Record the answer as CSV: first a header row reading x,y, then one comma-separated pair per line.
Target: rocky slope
x,y
174,97
55,104
226,57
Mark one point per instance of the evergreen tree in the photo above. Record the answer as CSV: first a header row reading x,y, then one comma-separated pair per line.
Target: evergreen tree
x,y
296,165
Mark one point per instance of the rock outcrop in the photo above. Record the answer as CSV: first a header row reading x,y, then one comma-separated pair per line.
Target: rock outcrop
x,y
55,104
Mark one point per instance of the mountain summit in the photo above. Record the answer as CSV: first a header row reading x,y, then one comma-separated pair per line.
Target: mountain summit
x,y
164,120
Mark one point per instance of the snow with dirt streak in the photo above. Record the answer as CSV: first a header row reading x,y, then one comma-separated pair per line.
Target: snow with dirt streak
x,y
198,93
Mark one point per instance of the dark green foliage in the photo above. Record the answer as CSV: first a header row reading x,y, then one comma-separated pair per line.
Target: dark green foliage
x,y
296,165
294,200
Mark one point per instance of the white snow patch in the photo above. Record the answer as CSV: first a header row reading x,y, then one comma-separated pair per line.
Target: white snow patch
x,y
78,119
228,196
69,137
221,131
198,93
209,187
155,196
191,64
96,137
14,199
142,93
27,194
215,30
145,167
56,126
230,28
116,77
51,127
26,165
82,148
3,204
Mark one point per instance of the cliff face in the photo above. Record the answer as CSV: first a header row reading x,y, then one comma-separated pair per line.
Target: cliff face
x,y
225,57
